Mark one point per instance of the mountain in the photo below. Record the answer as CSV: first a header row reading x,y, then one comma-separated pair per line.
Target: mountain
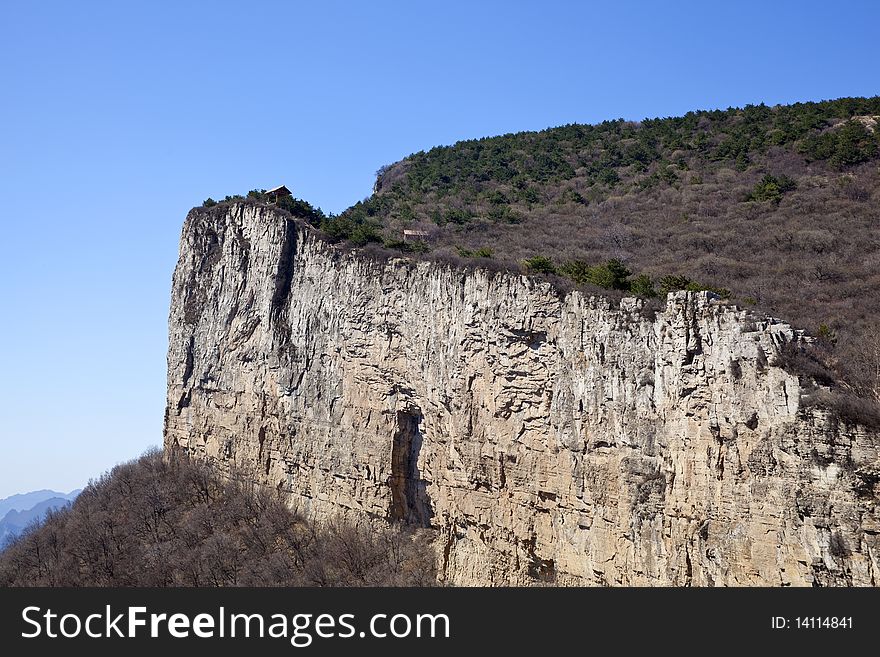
x,y
572,372
14,522
775,207
21,510
25,501
541,433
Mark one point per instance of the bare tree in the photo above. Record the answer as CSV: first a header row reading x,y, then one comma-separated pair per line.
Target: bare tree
x,y
172,522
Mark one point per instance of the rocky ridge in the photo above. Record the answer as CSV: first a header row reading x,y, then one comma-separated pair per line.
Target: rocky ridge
x,y
544,437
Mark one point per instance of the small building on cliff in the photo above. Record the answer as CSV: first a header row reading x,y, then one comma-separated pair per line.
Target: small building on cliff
x,y
277,192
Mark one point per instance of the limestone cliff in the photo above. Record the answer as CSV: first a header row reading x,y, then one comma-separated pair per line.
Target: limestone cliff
x,y
545,437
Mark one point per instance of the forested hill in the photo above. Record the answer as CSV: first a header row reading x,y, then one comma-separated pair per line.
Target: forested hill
x,y
176,522
775,205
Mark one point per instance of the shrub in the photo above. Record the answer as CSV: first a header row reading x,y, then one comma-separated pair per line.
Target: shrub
x,y
572,196
826,334
772,188
404,246
529,195
209,203
540,265
643,286
611,276
497,197
337,228
608,177
848,144
357,233
302,209
453,216
363,234
672,283
855,144
482,252
576,270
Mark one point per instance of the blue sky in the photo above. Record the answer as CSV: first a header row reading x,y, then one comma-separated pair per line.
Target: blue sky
x,y
116,118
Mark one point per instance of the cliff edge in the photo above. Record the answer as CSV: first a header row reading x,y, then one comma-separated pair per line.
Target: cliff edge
x,y
543,437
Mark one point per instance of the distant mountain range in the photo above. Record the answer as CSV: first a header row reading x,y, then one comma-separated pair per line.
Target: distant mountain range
x,y
18,511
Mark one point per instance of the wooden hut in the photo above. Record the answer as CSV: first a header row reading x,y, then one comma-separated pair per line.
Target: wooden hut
x,y
277,192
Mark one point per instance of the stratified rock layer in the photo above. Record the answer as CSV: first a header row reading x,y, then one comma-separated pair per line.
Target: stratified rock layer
x,y
544,437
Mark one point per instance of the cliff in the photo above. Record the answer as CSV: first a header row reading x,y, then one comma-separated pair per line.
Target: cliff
x,y
544,437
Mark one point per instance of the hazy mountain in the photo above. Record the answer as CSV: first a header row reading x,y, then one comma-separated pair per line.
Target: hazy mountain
x,y
25,501
15,521
18,511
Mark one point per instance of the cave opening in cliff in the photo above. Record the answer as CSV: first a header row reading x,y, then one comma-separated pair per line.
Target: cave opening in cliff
x,y
409,498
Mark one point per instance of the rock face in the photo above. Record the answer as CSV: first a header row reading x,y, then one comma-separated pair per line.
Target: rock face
x,y
544,437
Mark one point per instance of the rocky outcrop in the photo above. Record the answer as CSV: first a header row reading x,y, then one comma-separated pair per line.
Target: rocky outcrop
x,y
544,437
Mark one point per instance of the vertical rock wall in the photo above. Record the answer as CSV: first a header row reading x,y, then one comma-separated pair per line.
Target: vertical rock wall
x,y
544,438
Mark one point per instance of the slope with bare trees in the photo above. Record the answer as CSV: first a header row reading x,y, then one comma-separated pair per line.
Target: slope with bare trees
x,y
171,522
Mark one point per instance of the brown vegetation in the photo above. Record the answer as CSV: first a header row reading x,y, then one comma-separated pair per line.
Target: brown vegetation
x,y
158,522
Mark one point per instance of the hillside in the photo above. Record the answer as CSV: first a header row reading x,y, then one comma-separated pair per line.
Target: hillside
x,y
158,522
775,206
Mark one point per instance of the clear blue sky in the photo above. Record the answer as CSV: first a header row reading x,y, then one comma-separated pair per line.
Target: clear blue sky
x,y
116,118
